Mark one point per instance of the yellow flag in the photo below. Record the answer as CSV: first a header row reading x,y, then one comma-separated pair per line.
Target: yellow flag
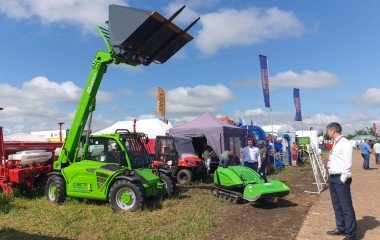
x,y
161,105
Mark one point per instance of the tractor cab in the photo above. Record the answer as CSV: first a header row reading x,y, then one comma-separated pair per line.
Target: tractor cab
x,y
178,154
119,148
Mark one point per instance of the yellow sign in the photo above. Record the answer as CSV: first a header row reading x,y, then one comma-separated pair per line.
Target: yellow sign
x,y
161,104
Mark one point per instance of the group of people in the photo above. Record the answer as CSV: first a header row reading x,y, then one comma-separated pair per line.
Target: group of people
x,y
366,152
256,158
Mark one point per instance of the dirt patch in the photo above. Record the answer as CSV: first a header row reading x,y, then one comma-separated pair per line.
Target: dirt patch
x,y
278,219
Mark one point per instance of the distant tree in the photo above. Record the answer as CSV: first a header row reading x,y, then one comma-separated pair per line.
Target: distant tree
x,y
350,136
361,132
371,131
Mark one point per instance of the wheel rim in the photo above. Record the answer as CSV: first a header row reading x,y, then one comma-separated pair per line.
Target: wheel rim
x,y
184,178
125,198
164,191
52,192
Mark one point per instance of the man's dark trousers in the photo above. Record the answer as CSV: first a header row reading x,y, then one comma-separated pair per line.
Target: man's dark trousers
x,y
366,160
342,203
253,166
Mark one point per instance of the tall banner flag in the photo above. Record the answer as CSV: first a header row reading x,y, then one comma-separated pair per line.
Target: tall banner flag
x,y
297,104
374,130
161,104
264,79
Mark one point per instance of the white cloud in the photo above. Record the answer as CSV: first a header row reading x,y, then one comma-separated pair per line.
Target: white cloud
x,y
185,17
254,112
321,119
230,27
199,99
305,79
85,13
41,103
142,116
127,91
371,97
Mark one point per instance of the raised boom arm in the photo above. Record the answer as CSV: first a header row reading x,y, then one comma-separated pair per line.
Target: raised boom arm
x,y
134,37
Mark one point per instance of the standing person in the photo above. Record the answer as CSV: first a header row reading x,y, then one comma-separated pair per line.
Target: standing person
x,y
339,167
207,152
251,156
225,158
294,153
376,149
365,150
264,158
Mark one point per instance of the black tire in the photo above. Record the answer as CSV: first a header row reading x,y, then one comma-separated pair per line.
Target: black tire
x,y
184,176
125,196
55,189
169,186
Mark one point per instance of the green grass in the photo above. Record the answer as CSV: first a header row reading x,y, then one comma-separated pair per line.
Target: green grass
x,y
192,214
183,217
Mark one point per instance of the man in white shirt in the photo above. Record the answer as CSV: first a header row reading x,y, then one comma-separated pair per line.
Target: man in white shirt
x,y
339,167
376,149
251,156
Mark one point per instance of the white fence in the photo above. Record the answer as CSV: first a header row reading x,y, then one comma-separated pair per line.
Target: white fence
x,y
319,169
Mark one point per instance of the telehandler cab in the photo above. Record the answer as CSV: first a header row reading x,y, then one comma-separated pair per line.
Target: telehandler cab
x,y
114,167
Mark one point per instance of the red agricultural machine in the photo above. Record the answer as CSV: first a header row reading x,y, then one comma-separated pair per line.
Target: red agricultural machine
x,y
24,165
177,154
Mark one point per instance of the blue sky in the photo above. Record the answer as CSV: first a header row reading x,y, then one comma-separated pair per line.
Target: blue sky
x,y
328,49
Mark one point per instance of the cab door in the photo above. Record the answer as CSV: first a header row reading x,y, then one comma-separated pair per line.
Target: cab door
x,y
89,177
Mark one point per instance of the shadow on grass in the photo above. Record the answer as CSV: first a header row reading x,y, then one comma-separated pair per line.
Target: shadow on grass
x,y
10,233
6,203
365,224
6,209
268,204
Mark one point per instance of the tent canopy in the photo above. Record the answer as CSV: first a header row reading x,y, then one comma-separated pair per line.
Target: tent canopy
x,y
152,127
23,137
220,135
280,130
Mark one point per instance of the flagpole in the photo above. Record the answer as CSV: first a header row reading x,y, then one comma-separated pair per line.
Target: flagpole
x,y
273,148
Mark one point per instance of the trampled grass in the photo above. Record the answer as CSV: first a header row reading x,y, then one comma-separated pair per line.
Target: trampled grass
x,y
183,217
192,214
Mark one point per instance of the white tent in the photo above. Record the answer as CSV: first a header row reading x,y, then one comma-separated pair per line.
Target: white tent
x,y
280,130
312,134
152,127
23,137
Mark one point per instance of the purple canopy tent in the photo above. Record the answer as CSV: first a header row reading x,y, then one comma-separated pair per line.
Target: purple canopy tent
x,y
220,135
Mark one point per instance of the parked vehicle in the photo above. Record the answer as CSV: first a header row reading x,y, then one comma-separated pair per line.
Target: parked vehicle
x,y
115,167
177,154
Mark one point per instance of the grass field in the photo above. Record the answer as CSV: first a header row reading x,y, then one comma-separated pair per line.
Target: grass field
x,y
178,218
193,214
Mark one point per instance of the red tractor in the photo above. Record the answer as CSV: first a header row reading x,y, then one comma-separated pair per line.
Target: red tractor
x,y
24,165
177,154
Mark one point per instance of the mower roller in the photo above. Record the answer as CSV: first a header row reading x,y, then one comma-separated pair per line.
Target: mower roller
x,y
239,183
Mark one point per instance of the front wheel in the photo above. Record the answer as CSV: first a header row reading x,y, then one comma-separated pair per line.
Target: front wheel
x,y
184,176
169,186
125,196
56,189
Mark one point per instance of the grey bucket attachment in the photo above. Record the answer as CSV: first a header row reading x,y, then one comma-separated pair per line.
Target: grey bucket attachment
x,y
145,36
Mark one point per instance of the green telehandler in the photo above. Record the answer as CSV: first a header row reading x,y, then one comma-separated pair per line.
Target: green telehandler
x,y
115,167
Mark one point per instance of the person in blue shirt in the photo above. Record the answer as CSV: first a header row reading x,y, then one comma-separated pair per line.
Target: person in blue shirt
x,y
365,150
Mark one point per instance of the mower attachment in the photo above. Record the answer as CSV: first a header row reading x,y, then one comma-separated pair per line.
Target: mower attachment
x,y
145,36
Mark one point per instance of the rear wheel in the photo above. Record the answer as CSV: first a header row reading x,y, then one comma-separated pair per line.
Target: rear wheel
x,y
184,176
125,196
56,189
169,186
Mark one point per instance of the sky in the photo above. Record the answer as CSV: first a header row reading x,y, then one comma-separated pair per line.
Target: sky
x,y
327,49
